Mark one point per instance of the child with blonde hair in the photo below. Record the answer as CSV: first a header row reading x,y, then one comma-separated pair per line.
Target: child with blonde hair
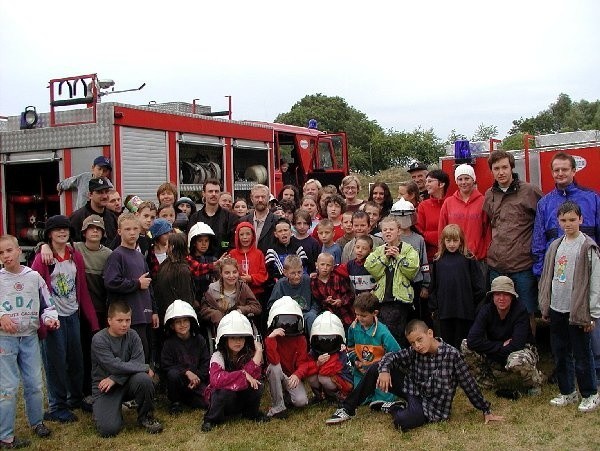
x,y
456,286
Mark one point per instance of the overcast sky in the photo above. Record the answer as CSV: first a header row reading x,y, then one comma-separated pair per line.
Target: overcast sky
x,y
440,64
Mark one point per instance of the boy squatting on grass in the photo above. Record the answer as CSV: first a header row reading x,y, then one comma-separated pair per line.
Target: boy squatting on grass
x,y
25,302
120,374
426,375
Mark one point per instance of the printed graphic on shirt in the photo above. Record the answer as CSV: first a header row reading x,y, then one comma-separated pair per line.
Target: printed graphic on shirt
x,y
301,301
561,269
63,285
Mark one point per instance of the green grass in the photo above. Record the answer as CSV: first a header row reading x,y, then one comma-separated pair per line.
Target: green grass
x,y
530,423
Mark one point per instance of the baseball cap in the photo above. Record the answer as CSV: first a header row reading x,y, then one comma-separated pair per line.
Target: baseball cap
x,y
102,161
416,166
94,220
99,184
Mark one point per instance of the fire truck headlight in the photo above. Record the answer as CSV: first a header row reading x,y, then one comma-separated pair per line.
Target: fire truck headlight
x,y
29,117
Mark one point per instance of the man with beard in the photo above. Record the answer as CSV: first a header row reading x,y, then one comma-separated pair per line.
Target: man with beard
x,y
261,217
222,222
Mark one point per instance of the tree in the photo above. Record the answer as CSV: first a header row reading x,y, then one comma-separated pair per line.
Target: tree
x,y
334,115
454,136
370,148
485,132
564,115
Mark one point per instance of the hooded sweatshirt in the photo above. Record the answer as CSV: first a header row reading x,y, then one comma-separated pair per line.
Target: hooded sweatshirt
x,y
471,218
253,259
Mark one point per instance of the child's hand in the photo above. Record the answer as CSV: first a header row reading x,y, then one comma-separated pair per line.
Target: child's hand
x,y
391,251
491,417
384,382
258,346
424,293
293,381
105,384
322,359
155,321
358,364
52,324
150,373
313,275
507,342
47,255
144,281
336,302
8,325
251,381
279,332
246,278
590,327
193,378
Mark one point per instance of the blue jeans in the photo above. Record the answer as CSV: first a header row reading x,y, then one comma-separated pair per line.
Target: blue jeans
x,y
20,354
525,286
63,361
572,350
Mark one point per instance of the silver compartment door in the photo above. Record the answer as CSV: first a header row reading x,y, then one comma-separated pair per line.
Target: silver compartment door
x,y
143,161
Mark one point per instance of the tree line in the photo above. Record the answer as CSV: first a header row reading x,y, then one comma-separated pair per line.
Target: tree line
x,y
373,148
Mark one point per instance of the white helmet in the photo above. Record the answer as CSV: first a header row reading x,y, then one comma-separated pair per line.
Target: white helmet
x,y
328,324
327,334
198,229
402,208
180,309
287,314
234,324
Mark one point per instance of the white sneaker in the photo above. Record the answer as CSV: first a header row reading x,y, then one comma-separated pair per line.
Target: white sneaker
x,y
590,403
339,416
563,400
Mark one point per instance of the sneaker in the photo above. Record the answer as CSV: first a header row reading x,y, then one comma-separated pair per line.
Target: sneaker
x,y
281,415
563,400
339,416
61,416
130,404
391,406
41,430
590,403
376,405
15,444
151,424
207,426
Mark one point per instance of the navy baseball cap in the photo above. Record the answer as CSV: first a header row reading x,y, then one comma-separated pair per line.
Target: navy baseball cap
x,y
103,162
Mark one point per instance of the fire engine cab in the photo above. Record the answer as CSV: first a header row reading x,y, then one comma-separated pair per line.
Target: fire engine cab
x,y
178,142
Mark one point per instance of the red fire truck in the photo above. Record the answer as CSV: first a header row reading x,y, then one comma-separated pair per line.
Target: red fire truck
x,y
533,163
178,142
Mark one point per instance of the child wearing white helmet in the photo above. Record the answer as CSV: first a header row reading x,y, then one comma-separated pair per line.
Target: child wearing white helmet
x,y
235,372
184,358
406,215
202,244
287,355
333,376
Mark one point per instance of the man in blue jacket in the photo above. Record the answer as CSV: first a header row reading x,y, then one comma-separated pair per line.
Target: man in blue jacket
x,y
546,227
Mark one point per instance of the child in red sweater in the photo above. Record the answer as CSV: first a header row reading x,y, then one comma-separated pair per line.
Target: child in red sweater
x,y
287,355
332,290
332,378
251,260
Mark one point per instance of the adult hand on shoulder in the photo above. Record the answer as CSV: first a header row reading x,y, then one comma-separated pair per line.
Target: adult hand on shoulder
x,y
46,254
491,417
384,382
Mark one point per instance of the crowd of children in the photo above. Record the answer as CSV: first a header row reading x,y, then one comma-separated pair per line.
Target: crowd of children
x,y
347,303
